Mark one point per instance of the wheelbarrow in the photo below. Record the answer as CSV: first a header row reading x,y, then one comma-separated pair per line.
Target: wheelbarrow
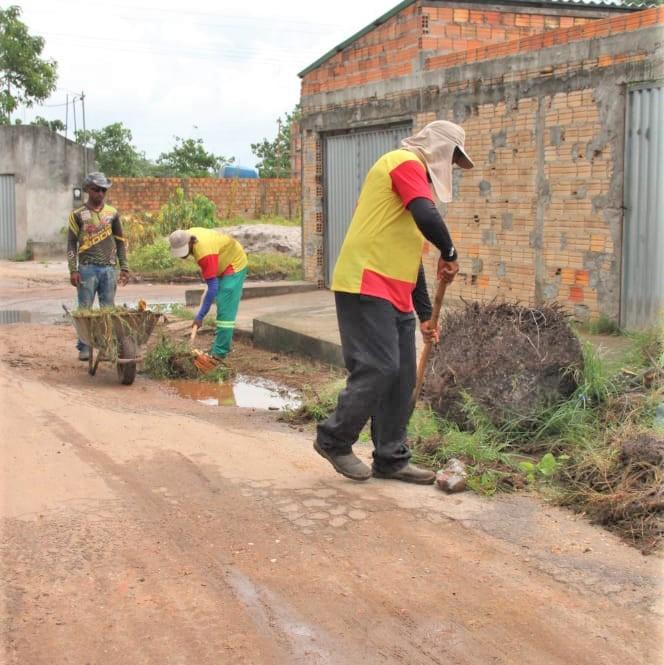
x,y
117,335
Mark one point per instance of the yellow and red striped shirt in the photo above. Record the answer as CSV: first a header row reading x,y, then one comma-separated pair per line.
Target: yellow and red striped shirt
x,y
382,250
216,253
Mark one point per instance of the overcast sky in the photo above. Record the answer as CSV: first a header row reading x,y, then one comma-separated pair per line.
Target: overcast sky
x,y
212,69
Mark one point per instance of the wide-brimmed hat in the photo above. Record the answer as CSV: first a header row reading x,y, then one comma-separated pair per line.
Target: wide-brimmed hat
x,y
435,145
179,241
97,179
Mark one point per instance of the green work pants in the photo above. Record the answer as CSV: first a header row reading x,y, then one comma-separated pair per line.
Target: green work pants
x,y
228,301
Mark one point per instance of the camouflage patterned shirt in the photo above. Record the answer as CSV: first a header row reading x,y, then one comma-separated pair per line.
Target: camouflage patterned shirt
x,y
95,237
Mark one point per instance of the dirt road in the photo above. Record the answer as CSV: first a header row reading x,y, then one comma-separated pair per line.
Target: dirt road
x,y
141,528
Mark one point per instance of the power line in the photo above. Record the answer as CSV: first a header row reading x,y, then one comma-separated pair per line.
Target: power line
x,y
233,52
210,55
159,11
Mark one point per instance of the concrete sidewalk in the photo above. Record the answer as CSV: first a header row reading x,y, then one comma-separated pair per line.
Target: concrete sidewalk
x,y
281,316
302,323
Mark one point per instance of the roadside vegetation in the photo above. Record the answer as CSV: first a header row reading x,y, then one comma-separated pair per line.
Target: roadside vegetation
x,y
171,359
149,254
599,452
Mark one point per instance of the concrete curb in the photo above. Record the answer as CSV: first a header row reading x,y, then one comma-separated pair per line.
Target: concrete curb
x,y
256,290
274,337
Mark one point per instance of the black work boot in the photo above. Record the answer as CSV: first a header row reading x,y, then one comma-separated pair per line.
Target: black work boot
x,y
409,474
347,465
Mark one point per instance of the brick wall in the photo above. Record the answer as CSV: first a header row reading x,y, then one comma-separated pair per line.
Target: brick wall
x,y
580,30
312,207
250,198
394,48
540,217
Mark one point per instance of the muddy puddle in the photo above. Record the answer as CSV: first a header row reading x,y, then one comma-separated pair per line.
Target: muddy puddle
x,y
242,391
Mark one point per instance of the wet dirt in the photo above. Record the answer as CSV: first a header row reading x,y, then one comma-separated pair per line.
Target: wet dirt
x,y
241,391
139,527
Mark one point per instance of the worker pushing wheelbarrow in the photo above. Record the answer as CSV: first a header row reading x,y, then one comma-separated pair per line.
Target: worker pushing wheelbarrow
x,y
116,334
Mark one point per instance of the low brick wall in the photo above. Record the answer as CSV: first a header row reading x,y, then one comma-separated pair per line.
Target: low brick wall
x,y
232,196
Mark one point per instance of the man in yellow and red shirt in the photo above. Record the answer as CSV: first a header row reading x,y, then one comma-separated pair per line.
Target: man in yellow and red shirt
x,y
378,280
223,265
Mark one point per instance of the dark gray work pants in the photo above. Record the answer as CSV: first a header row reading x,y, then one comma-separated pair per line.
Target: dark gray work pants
x,y
378,344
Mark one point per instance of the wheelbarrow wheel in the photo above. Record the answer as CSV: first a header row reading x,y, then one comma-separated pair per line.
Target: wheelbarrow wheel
x,y
127,371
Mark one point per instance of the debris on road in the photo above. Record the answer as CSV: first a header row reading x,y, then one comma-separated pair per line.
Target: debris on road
x,y
509,359
452,477
628,495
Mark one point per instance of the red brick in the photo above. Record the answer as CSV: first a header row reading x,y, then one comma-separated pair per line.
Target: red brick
x,y
576,294
461,15
453,31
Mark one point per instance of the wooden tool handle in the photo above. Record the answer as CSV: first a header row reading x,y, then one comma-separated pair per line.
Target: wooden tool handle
x,y
426,351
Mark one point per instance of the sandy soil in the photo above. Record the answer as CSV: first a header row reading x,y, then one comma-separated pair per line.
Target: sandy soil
x,y
142,528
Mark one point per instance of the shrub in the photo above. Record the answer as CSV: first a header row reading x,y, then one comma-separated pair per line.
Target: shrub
x,y
140,229
153,258
183,213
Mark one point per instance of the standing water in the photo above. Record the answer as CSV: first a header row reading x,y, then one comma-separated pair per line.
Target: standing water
x,y
242,391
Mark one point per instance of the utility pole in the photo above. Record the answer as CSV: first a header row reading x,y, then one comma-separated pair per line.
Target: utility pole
x,y
67,115
279,147
85,149
73,110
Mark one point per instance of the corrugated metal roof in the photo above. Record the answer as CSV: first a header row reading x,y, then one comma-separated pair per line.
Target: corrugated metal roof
x,y
613,5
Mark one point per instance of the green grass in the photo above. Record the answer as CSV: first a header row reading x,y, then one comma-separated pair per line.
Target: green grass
x,y
647,348
482,449
602,325
169,359
274,266
26,255
558,445
154,261
181,312
316,405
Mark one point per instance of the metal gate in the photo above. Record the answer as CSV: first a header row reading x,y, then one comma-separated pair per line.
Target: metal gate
x,y
348,158
642,297
7,217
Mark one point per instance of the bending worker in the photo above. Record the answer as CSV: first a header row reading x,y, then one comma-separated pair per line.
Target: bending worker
x,y
378,280
223,265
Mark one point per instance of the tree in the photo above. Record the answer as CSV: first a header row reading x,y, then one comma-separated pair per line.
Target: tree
x,y
190,159
275,155
53,125
24,77
114,151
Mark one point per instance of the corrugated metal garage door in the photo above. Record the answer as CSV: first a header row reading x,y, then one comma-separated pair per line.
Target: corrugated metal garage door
x,y
7,217
642,298
348,158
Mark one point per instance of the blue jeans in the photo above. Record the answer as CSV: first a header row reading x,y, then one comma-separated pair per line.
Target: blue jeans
x,y
96,280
